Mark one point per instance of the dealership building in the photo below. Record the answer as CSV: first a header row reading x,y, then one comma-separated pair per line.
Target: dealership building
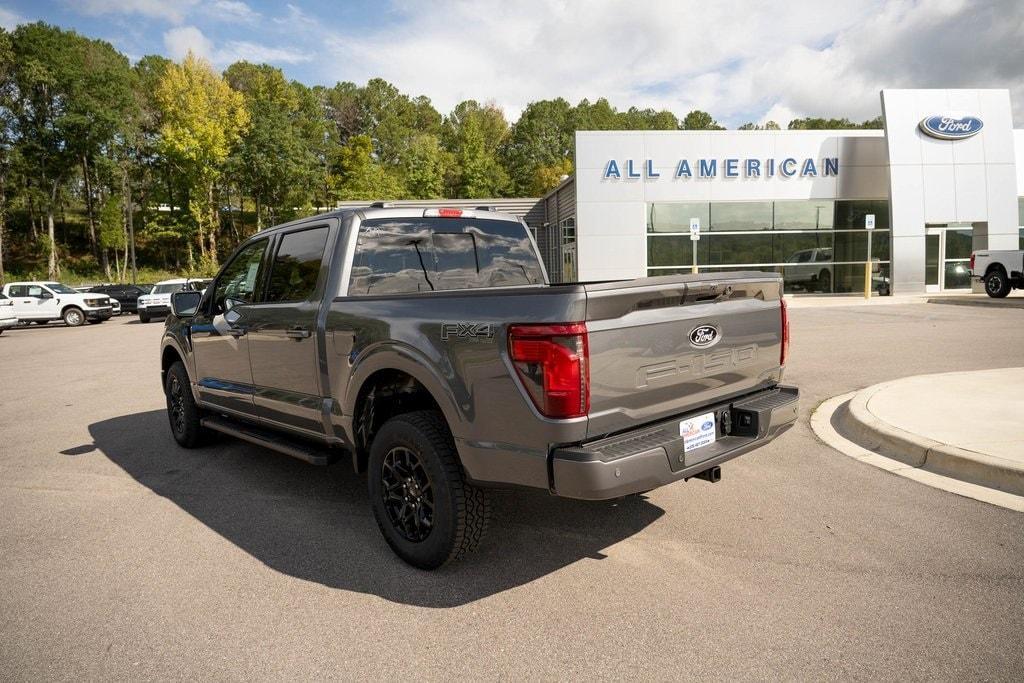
x,y
939,181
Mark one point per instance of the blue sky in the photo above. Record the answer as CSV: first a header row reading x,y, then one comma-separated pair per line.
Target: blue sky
x,y
739,60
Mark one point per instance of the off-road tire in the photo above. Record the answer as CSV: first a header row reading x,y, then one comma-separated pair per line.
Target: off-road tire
x,y
73,316
186,426
997,285
461,511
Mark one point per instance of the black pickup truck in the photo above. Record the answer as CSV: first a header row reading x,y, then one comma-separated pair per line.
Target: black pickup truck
x,y
427,347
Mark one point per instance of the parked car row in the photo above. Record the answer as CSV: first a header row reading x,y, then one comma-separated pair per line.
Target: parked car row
x,y
41,302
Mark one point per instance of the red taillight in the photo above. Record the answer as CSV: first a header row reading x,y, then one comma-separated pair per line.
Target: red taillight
x,y
972,261
553,363
784,353
449,213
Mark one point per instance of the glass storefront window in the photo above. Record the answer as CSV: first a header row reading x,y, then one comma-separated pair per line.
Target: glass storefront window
x,y
851,214
801,215
675,216
958,276
734,216
958,243
818,245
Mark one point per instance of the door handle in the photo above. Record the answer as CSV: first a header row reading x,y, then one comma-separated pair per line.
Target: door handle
x,y
297,333
236,331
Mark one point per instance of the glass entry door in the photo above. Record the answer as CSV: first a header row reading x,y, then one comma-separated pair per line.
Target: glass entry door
x,y
932,241
947,257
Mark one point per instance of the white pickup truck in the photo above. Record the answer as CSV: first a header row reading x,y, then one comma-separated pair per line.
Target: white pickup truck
x,y
1001,270
41,302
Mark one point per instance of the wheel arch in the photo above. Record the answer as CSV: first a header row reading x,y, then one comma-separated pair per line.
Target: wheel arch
x,y
382,390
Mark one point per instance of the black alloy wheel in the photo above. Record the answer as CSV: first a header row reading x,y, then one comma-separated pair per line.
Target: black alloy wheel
x,y
407,494
176,405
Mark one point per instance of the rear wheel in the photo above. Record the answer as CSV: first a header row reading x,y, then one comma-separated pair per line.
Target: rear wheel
x,y
427,511
184,415
997,285
73,317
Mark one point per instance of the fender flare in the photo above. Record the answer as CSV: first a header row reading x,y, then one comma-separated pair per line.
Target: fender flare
x,y
404,358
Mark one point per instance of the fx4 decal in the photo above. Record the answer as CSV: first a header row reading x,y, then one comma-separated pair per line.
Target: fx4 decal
x,y
473,331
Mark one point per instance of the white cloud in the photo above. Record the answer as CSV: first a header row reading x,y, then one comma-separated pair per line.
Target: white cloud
x,y
230,11
9,19
181,40
739,60
170,10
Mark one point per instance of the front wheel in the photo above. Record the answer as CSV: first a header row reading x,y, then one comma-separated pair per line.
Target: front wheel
x,y
182,411
73,317
997,285
427,511
143,318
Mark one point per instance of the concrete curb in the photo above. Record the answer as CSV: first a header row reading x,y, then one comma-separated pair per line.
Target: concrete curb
x,y
1009,302
863,427
830,412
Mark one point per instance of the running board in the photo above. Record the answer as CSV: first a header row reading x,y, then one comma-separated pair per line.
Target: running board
x,y
269,439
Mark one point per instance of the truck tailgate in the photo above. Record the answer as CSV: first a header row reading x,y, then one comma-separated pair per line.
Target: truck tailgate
x,y
644,365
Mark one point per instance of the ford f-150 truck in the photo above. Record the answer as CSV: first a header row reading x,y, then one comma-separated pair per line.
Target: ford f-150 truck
x,y
427,346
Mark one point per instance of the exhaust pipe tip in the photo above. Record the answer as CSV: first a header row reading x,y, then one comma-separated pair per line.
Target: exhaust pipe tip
x,y
713,475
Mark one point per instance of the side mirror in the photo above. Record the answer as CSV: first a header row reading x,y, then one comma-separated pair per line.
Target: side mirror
x,y
185,304
45,295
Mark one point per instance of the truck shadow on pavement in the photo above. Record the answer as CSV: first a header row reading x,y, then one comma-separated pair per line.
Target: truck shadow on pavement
x,y
315,523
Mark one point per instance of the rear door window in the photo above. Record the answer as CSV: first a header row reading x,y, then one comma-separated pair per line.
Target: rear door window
x,y
296,267
398,256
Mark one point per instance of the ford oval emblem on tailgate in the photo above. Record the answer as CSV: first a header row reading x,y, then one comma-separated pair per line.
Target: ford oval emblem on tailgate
x,y
704,335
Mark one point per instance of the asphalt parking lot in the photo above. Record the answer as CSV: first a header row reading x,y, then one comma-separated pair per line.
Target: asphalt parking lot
x,y
122,556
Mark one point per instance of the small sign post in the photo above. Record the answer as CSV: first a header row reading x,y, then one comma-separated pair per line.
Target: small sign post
x,y
694,237
869,225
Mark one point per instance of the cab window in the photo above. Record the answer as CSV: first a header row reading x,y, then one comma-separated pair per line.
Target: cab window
x,y
296,266
239,280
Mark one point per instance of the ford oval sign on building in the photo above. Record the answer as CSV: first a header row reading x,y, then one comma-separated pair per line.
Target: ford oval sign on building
x,y
951,127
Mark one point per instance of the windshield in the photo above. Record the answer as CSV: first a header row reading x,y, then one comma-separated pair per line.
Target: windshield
x,y
168,289
60,289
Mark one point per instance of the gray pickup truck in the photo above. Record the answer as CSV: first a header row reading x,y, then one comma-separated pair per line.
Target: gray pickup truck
x,y
426,346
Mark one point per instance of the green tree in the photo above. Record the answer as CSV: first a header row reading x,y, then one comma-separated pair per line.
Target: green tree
x,y
72,96
424,167
202,118
700,120
473,134
271,157
597,116
542,137
361,176
647,119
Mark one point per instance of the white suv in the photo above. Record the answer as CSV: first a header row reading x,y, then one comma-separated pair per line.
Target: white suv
x,y
41,302
157,303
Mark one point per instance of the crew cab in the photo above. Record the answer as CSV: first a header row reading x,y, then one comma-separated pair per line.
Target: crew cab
x,y
427,347
1000,271
41,302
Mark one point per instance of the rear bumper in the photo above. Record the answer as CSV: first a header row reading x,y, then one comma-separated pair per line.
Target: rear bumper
x,y
646,458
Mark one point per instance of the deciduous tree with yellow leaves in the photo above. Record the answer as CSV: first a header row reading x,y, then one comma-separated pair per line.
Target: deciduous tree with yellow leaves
x,y
202,119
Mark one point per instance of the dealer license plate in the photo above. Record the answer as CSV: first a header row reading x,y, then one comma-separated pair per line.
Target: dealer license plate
x,y
697,431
